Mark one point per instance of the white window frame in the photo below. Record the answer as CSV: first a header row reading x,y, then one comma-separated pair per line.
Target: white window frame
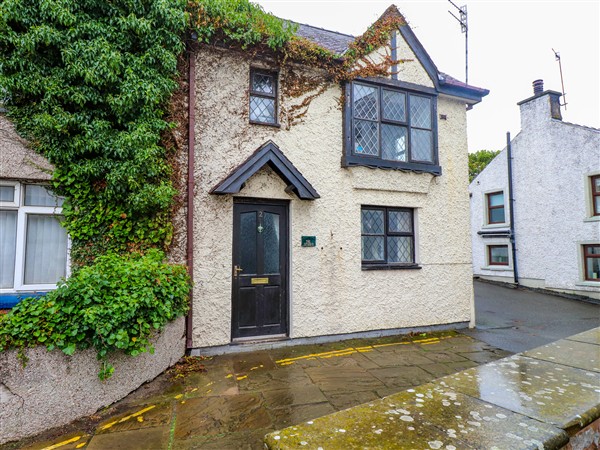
x,y
22,213
486,211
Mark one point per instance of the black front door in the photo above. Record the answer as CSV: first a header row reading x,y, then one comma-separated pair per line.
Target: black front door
x,y
259,268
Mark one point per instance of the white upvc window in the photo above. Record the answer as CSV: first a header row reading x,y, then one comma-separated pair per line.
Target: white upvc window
x,y
34,246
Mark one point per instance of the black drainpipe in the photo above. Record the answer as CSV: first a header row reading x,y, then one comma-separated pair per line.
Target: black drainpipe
x,y
511,202
190,186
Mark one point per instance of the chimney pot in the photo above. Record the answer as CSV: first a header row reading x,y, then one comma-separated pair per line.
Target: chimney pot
x,y
538,87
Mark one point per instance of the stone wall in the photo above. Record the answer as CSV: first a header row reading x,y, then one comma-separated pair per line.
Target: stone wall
x,y
54,389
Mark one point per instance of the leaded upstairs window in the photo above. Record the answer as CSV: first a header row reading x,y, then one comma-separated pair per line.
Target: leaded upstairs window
x,y
389,127
263,97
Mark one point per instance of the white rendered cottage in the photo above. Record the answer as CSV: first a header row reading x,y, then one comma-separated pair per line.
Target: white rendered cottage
x,y
351,221
554,240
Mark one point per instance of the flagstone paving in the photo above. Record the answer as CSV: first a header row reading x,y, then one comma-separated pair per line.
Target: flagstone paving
x,y
242,397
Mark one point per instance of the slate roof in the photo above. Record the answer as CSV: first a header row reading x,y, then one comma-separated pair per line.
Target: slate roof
x,y
330,40
339,42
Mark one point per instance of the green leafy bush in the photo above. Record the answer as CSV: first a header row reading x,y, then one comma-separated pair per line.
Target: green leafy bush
x,y
114,304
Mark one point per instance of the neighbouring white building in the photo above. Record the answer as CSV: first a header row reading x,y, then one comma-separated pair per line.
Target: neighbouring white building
x,y
553,241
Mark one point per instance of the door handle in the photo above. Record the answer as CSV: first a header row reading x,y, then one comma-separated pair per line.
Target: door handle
x,y
236,269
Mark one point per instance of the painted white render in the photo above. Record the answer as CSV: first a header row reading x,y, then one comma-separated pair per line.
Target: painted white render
x,y
552,164
329,291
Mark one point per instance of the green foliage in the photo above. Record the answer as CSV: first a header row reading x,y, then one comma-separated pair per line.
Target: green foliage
x,y
87,81
479,160
114,304
239,22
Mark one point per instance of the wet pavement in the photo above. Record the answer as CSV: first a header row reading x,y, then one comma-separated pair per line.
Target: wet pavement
x,y
242,397
517,320
538,399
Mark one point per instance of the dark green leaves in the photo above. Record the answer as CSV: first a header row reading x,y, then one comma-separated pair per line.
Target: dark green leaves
x,y
88,82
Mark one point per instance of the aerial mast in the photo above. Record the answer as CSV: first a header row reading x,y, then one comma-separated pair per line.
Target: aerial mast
x,y
464,28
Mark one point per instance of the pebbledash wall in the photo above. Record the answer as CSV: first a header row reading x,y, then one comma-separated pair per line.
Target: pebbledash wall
x,y
330,294
552,165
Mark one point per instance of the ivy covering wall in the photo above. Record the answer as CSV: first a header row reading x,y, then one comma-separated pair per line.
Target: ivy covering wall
x,y
88,83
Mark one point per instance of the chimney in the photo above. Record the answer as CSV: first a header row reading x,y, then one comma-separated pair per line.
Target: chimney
x,y
543,106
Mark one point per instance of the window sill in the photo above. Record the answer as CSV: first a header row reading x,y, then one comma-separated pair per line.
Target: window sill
x,y
589,283
265,124
353,160
390,267
488,226
592,219
498,268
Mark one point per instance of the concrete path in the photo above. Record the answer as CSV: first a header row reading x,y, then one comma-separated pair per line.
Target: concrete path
x,y
242,397
518,320
546,398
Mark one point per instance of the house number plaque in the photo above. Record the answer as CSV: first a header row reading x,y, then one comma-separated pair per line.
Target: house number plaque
x,y
259,281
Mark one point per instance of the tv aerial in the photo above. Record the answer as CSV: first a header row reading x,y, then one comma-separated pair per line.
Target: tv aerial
x,y
562,83
464,28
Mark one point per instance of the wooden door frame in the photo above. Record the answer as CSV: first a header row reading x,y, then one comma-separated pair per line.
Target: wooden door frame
x,y
287,259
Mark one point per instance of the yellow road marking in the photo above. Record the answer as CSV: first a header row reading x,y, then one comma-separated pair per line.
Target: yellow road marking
x,y
60,444
142,411
350,351
242,377
80,445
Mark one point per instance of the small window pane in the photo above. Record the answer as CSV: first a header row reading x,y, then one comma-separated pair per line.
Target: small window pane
x,y
496,199
372,248
592,250
400,221
597,202
421,145
7,194
270,235
400,249
263,83
497,215
366,104
366,140
394,105
393,142
420,112
45,250
373,221
593,268
37,195
262,109
596,184
248,242
499,255
8,245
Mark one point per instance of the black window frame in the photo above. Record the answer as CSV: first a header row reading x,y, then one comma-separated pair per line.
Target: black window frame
x,y
350,158
274,96
385,264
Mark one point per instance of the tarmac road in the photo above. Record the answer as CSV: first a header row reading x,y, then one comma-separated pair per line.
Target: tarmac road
x,y
517,320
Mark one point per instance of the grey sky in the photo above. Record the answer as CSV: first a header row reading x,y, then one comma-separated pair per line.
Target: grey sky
x,y
510,45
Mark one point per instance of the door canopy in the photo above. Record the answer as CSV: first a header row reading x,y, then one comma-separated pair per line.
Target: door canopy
x,y
268,154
